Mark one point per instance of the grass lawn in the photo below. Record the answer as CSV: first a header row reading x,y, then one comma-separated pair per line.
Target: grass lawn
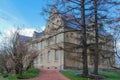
x,y
108,75
31,73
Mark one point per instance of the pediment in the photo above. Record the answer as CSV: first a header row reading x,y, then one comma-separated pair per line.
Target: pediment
x,y
54,24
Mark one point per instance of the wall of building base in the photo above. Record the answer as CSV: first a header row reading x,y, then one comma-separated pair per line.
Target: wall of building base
x,y
61,67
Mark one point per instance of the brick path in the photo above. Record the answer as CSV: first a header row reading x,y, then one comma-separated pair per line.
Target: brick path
x,y
48,74
1,78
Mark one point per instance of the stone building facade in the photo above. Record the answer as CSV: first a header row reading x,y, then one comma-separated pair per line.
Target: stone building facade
x,y
60,44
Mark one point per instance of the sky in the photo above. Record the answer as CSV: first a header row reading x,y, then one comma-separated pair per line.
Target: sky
x,y
21,13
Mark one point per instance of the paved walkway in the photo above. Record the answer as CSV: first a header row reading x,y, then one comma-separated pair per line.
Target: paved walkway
x,y
48,74
2,79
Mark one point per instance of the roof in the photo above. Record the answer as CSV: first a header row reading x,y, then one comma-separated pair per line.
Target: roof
x,y
24,38
38,34
70,21
101,31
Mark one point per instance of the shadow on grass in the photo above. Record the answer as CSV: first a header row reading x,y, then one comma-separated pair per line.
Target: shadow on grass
x,y
72,74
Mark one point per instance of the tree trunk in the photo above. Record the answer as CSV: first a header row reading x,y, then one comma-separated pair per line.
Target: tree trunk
x,y
96,39
16,70
29,65
19,69
84,53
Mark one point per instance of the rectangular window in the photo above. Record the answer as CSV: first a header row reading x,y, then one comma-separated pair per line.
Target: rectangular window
x,y
48,41
36,60
36,46
91,59
39,45
30,47
48,56
33,46
102,60
42,45
56,39
56,55
41,58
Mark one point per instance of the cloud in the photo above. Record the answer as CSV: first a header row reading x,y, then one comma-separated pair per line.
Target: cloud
x,y
43,28
25,31
118,45
8,33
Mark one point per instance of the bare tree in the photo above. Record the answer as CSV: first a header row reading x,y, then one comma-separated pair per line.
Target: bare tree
x,y
76,10
112,23
101,13
3,60
82,12
19,53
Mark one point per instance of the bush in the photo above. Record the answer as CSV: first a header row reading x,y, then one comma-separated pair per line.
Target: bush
x,y
31,73
12,77
4,75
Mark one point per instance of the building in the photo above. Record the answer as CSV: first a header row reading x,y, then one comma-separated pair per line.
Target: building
x,y
60,44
